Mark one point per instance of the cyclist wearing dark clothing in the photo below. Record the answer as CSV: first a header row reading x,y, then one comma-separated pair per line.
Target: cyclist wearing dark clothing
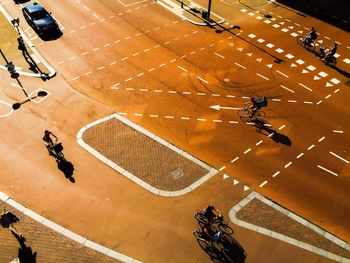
x,y
47,139
311,37
209,212
331,52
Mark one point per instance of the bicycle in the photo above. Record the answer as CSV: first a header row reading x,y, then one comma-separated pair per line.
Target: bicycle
x,y
309,46
215,236
223,226
247,112
56,150
329,60
200,216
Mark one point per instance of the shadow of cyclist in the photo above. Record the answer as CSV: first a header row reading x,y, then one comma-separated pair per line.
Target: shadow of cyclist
x,y
264,128
67,168
25,254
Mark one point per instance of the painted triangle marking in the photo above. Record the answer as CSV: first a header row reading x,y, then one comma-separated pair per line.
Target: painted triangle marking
x,y
249,54
259,59
281,23
246,188
320,41
316,78
304,71
225,176
291,27
300,32
269,65
293,65
240,49
235,182
328,85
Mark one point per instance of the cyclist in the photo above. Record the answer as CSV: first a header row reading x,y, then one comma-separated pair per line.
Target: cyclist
x,y
311,37
256,104
209,233
209,212
47,139
330,52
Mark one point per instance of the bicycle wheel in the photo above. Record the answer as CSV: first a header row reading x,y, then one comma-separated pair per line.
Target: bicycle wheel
x,y
200,217
300,40
311,46
225,228
259,114
243,113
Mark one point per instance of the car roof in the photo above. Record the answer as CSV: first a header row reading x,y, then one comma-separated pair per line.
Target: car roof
x,y
34,8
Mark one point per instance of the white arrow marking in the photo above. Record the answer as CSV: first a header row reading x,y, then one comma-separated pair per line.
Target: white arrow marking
x,y
218,107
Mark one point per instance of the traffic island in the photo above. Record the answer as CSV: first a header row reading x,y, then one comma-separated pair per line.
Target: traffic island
x,y
262,215
18,52
141,156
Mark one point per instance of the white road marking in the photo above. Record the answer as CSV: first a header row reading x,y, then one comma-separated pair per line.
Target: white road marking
x,y
335,131
135,54
140,74
239,65
260,40
290,56
284,75
201,119
269,45
300,62
279,50
323,74
251,35
282,127
310,147
153,115
112,63
328,96
182,68
264,183
287,165
308,102
321,139
221,56
185,118
261,76
325,169
341,158
247,151
150,70
222,168
75,78
335,81
259,142
305,87
100,68
287,89
301,154
128,79
202,79
235,159
276,173
292,101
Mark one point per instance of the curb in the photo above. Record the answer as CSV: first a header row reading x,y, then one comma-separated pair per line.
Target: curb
x,y
292,241
148,187
77,238
52,71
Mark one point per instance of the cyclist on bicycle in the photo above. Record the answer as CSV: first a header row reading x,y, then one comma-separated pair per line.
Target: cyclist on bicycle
x,y
209,233
311,37
209,212
47,139
256,104
330,52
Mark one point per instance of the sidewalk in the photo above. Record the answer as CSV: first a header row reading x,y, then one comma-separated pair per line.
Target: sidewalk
x,y
192,12
26,59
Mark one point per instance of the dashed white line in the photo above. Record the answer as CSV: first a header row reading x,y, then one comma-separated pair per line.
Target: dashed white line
x,y
284,87
128,79
276,173
264,183
202,79
247,151
239,65
262,76
169,117
287,165
222,168
235,159
182,68
341,158
335,131
301,154
305,87
282,127
259,142
75,78
221,56
321,139
310,147
140,74
325,169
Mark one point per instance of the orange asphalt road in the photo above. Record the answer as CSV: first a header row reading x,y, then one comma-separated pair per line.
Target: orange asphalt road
x,y
144,60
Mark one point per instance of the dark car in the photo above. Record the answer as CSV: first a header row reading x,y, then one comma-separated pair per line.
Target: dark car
x,y
41,20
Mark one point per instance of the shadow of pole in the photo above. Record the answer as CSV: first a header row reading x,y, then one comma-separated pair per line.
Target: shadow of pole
x,y
17,105
25,254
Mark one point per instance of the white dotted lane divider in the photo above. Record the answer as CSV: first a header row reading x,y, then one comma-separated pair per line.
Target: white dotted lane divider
x,y
77,238
254,195
211,170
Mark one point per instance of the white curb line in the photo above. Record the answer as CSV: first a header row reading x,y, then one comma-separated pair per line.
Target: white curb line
x,y
320,231
211,173
77,238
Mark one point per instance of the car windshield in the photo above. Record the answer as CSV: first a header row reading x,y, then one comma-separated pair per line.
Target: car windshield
x,y
39,14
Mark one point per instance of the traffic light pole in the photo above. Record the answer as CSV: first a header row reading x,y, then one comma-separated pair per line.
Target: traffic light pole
x,y
209,7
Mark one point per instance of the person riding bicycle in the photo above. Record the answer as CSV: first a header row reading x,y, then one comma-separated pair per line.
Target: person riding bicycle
x,y
256,104
209,233
311,37
47,139
209,212
330,52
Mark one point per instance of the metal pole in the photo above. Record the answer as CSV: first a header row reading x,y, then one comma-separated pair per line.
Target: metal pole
x,y
2,54
209,6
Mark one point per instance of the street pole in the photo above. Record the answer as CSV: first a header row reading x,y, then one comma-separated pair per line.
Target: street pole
x,y
209,6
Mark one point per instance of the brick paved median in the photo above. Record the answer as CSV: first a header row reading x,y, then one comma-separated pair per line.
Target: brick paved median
x,y
260,214
152,162
49,245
